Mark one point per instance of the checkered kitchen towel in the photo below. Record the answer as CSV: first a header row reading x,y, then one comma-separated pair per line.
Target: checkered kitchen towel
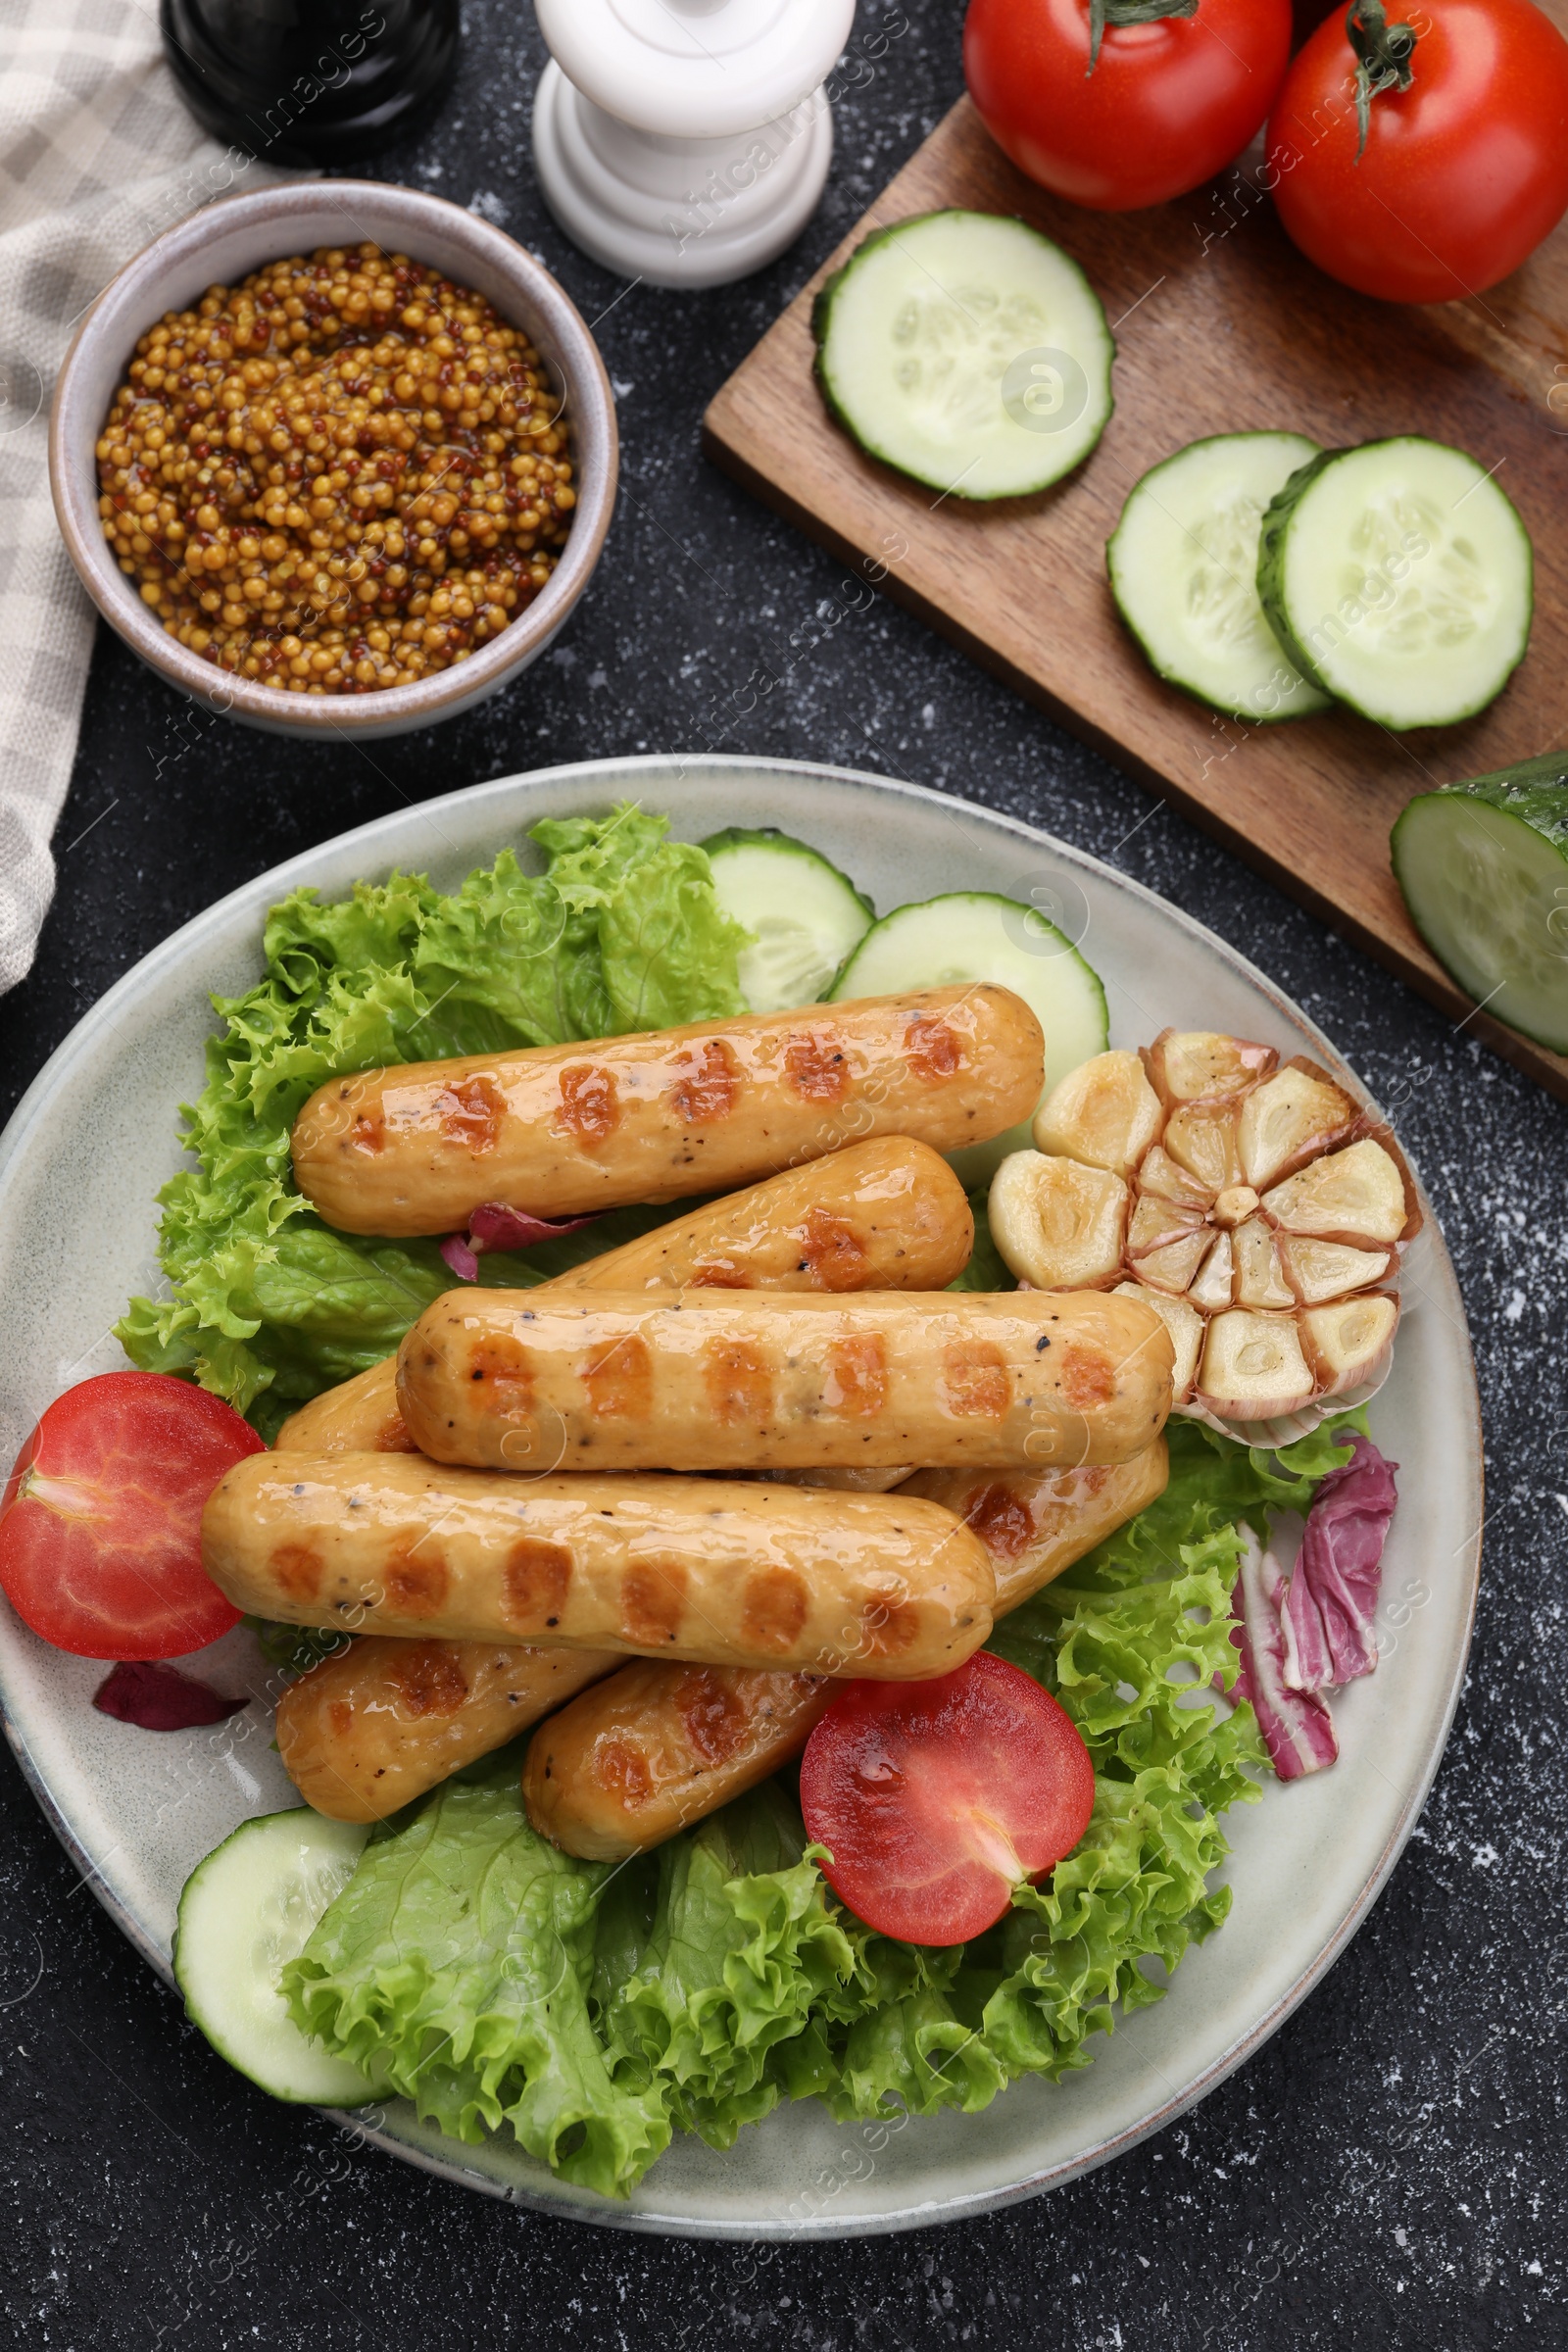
x,y
97,156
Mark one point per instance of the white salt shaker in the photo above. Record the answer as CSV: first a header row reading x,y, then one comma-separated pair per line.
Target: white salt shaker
x,y
685,142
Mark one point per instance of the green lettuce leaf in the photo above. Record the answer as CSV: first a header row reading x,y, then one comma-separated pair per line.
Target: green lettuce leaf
x,y
267,1304
457,1961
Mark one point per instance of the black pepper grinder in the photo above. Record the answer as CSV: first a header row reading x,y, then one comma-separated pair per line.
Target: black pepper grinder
x,y
309,82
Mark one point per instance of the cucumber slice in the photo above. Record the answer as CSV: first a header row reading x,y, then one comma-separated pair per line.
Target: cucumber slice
x,y
1399,579
979,935
968,351
1483,868
1183,565
247,1909
803,916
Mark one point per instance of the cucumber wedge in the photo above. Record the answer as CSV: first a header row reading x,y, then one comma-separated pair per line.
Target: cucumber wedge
x,y
1483,868
803,916
1399,579
968,351
246,1910
1183,565
978,935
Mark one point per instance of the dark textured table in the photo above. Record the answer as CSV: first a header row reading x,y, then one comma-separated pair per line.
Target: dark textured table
x,y
1390,2167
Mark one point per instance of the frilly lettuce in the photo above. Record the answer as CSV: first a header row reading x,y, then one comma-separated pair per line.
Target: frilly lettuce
x,y
268,1306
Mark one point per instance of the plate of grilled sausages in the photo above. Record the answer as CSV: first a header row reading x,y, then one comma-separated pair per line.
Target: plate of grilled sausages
x,y
637,1529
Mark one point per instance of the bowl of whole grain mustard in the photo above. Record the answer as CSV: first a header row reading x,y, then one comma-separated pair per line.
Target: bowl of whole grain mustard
x,y
334,457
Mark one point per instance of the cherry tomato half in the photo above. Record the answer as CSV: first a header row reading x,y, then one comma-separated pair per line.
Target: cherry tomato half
x,y
934,1799
101,1519
1168,104
1463,174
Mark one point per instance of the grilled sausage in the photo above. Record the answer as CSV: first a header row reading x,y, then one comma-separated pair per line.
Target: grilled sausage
x,y
668,1746
1035,1524
706,1380
721,1573
383,1721
656,1746
884,1215
563,1130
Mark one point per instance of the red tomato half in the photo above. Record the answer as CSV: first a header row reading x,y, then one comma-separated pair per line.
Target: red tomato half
x,y
101,1520
1167,105
934,1799
1463,174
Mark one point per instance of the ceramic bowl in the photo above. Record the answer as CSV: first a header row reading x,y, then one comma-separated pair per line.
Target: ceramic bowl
x,y
220,245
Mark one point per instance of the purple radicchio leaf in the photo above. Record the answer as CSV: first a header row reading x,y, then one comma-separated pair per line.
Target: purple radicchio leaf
x,y
1296,1725
460,1257
1332,1605
495,1226
157,1698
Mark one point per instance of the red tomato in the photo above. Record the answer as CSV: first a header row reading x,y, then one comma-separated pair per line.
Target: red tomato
x,y
1463,174
1167,105
934,1799
101,1519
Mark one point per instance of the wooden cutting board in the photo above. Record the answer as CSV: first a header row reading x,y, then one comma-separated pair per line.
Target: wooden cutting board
x,y
1220,326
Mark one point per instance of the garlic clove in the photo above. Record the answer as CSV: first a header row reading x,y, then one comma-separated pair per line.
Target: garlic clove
x,y
1168,1180
1318,1271
1260,1279
1290,1119
1057,1224
1186,1327
1104,1113
1154,1222
1350,1343
1172,1269
1354,1195
1211,1291
1254,1367
1204,1065
1202,1137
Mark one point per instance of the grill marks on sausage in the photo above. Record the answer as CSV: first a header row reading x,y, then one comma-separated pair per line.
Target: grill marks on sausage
x,y
890,1624
833,1251
653,1602
416,1580
738,1383
1086,1377
719,1274
856,1382
621,1771
619,1379
1002,1519
428,1679
933,1050
818,1068
975,1382
590,1105
709,1086
774,1609
535,1582
297,1570
469,1112
369,1132
711,1714
500,1364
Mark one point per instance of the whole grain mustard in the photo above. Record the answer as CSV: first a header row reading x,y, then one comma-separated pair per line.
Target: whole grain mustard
x,y
347,473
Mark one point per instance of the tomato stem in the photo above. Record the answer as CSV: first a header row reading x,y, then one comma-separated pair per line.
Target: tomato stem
x,y
1129,12
1383,55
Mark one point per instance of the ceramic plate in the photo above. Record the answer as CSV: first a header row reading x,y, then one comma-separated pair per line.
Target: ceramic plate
x,y
95,1137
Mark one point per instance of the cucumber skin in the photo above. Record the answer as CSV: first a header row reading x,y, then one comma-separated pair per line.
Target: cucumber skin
x,y
831,287
1272,537
771,837
1168,677
1277,515
1533,792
